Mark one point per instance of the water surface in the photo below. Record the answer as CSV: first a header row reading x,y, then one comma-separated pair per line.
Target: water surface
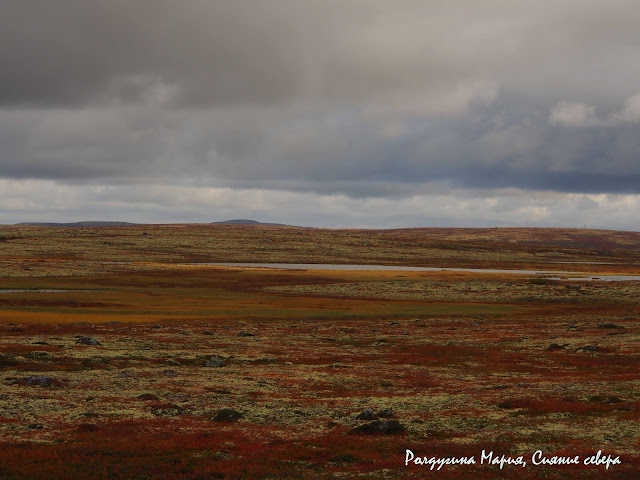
x,y
401,268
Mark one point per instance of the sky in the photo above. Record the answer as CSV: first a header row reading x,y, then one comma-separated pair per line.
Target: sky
x,y
329,113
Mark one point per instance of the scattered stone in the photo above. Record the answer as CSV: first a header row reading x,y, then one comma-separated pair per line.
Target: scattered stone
x,y
148,396
207,332
246,334
169,373
588,348
609,325
39,381
168,410
88,341
367,414
556,346
173,362
227,415
219,391
157,326
383,427
605,399
38,355
385,413
344,458
35,426
16,329
215,362
339,365
523,385
7,360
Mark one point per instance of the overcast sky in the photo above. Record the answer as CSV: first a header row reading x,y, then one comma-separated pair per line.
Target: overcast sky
x,y
362,113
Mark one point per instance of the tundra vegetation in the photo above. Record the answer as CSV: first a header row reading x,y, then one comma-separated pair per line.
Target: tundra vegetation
x,y
122,358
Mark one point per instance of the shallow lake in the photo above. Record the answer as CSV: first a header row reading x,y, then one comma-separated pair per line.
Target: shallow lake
x,y
34,290
551,274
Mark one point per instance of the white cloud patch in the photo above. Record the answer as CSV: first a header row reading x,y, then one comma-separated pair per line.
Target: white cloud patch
x,y
568,114
573,115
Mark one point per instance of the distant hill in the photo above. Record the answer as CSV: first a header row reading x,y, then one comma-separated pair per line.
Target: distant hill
x,y
244,221
78,224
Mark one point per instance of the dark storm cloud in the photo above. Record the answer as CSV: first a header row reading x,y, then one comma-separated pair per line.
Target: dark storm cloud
x,y
361,97
426,54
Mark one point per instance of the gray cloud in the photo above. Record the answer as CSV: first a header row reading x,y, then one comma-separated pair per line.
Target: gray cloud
x,y
368,99
418,55
507,144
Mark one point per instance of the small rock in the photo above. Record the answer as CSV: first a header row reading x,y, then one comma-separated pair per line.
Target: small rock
x,y
367,414
148,396
38,355
169,373
605,399
339,365
215,362
609,325
157,326
246,334
384,427
35,426
344,458
555,346
588,348
385,413
38,381
173,363
168,410
7,360
88,341
227,415
16,329
207,332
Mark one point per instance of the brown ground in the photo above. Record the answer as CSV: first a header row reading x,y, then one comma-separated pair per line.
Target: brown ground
x,y
465,362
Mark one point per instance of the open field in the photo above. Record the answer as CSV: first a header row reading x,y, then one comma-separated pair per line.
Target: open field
x,y
201,372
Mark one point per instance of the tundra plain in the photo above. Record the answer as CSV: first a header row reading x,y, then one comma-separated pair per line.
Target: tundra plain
x,y
123,357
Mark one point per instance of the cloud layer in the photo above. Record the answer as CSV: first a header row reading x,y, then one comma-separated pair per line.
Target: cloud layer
x,y
364,100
